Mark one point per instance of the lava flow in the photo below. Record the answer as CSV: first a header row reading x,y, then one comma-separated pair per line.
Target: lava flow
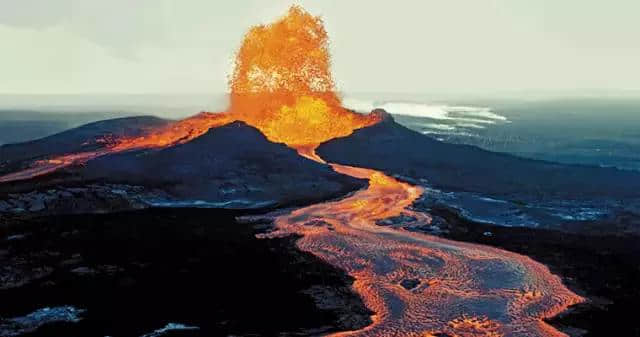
x,y
417,285
422,285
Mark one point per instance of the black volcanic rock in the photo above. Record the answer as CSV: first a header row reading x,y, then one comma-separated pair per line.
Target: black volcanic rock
x,y
75,140
133,272
231,165
410,284
394,149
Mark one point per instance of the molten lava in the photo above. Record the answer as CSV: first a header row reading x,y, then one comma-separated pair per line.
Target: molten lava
x,y
282,86
176,133
463,290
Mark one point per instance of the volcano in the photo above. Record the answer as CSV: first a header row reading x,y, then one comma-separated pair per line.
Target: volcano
x,y
232,166
286,141
87,138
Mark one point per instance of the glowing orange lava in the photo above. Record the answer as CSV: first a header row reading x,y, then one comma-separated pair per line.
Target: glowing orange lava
x,y
464,290
175,133
282,85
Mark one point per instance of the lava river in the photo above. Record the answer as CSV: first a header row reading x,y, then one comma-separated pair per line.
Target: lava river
x,y
417,285
459,289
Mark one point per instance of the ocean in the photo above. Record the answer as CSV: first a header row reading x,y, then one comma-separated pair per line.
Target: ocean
x,y
588,131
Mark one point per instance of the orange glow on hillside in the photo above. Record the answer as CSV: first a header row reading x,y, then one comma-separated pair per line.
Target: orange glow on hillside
x,y
175,133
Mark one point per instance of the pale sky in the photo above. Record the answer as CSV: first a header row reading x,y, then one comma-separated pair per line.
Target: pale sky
x,y
187,46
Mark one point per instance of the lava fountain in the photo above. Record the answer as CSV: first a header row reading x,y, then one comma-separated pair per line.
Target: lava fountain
x,y
282,85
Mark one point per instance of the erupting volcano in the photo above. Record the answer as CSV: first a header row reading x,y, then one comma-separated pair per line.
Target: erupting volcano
x,y
282,86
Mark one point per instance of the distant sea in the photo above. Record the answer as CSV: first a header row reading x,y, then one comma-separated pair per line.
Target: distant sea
x,y
586,130
589,131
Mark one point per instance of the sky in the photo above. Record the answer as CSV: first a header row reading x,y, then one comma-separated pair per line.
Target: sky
x,y
402,46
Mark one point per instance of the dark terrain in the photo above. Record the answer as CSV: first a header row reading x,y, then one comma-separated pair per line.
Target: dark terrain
x,y
21,125
135,272
397,150
602,268
88,137
597,259
233,166
234,162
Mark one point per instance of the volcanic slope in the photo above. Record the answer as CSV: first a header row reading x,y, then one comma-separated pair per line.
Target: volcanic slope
x,y
394,149
88,137
233,164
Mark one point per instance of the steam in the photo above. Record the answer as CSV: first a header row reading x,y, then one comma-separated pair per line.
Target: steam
x,y
445,117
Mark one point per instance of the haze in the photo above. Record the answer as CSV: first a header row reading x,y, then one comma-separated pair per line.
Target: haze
x,y
187,47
